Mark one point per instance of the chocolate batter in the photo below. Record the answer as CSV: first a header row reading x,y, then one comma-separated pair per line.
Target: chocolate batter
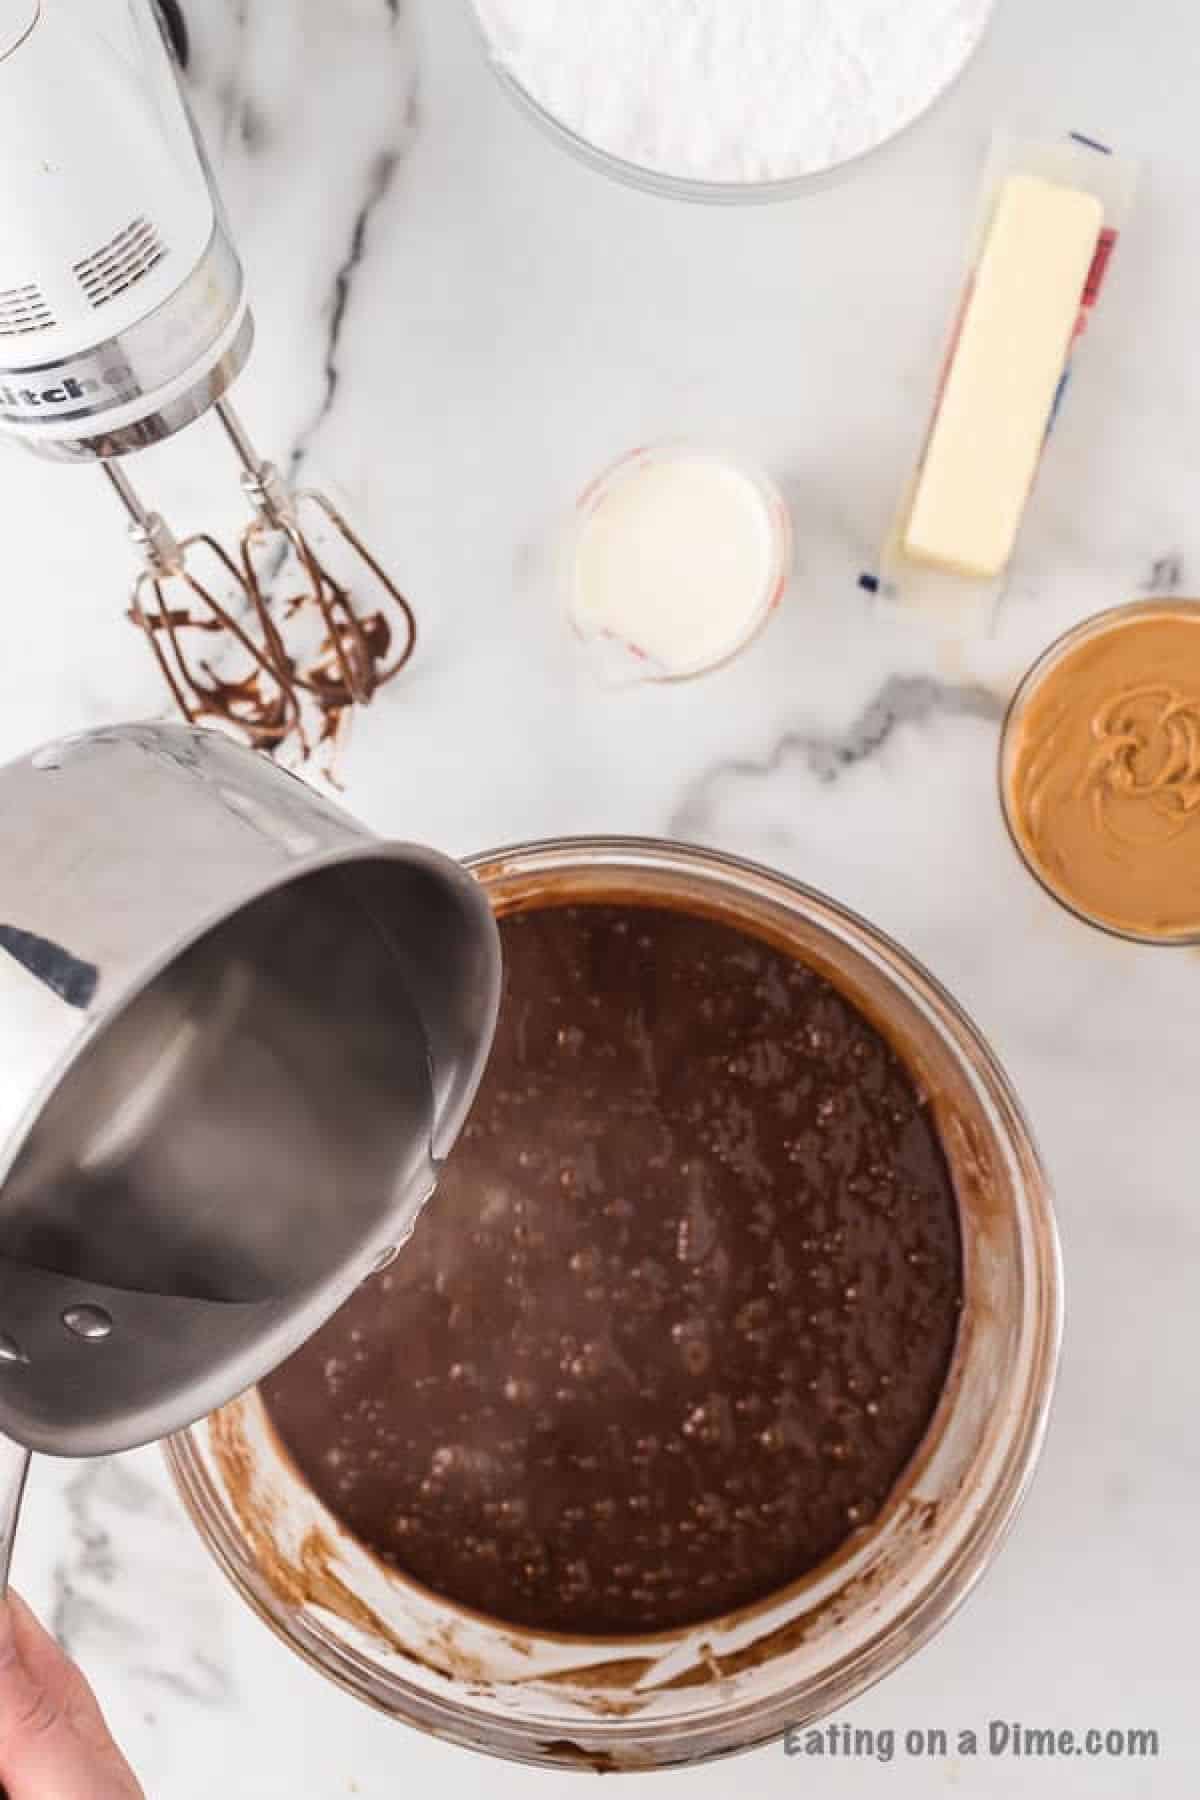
x,y
1102,772
680,1311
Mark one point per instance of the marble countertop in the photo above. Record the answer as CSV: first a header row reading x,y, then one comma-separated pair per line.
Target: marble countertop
x,y
459,325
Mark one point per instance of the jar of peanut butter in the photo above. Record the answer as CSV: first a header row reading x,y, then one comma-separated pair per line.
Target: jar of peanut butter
x,y
1100,771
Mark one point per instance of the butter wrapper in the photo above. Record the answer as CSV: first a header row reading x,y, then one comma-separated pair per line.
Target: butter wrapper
x,y
1012,353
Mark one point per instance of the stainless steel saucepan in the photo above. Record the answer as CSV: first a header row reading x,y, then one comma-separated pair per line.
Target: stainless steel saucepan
x,y
238,1034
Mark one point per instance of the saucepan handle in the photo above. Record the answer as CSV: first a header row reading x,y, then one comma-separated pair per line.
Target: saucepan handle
x,y
14,1468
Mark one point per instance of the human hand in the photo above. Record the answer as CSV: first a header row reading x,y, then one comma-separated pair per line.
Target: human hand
x,y
54,1744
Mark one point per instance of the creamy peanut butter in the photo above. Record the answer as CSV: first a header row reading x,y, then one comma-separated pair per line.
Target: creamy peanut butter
x,y
1102,771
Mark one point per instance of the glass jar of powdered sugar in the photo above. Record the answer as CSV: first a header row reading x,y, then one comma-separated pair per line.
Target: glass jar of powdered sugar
x,y
703,101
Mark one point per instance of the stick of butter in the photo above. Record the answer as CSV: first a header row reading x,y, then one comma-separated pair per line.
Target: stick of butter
x,y
998,399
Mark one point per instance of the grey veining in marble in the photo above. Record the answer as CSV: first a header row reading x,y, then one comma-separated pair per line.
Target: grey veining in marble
x,y
902,701
117,1519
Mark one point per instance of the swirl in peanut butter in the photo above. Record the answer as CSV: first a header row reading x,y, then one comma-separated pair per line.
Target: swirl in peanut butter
x,y
1102,772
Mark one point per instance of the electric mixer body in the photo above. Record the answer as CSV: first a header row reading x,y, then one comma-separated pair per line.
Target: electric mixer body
x,y
123,308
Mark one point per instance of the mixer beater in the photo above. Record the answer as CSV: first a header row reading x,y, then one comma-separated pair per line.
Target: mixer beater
x,y
281,650
123,320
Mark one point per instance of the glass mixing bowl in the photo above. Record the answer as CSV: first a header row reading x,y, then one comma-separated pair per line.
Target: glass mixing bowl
x,y
734,1682
685,187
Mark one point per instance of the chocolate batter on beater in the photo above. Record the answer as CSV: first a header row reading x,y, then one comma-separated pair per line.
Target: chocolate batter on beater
x,y
681,1309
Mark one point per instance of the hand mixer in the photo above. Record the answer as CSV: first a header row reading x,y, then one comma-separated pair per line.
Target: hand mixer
x,y
123,320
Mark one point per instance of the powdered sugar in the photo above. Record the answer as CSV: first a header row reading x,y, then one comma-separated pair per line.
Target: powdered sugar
x,y
734,90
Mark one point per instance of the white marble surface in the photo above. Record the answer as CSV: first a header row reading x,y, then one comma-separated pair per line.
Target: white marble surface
x,y
461,325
